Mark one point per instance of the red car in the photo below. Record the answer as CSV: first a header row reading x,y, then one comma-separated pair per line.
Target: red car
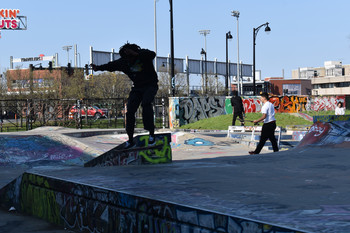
x,y
93,111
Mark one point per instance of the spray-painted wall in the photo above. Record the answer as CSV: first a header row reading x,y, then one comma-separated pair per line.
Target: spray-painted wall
x,y
141,154
185,110
84,208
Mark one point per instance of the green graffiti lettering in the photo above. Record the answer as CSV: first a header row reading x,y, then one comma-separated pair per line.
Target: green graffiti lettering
x,y
37,199
156,156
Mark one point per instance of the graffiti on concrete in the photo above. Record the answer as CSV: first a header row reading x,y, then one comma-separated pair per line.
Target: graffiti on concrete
x,y
331,118
86,208
325,103
160,154
252,104
289,104
141,154
328,134
194,109
185,110
174,112
198,142
36,148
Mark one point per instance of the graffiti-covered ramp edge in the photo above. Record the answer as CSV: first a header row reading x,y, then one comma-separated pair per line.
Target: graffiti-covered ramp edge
x,y
327,134
85,208
142,153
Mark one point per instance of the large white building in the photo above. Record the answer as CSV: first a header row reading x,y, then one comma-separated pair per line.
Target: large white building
x,y
332,79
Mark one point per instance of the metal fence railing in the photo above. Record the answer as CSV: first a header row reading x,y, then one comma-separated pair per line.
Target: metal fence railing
x,y
27,114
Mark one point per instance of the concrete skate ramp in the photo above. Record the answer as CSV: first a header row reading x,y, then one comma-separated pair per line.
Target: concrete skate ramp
x,y
142,153
327,134
34,150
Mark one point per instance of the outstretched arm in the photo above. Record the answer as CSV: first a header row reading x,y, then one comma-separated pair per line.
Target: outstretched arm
x,y
147,54
117,65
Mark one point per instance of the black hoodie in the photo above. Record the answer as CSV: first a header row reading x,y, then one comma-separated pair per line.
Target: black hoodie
x,y
237,104
141,72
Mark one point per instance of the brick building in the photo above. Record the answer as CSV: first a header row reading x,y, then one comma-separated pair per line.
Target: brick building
x,y
281,86
25,81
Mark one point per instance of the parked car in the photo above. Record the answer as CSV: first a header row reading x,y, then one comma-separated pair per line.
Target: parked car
x,y
92,111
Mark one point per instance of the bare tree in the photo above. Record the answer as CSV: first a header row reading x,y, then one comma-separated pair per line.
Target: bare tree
x,y
164,84
109,85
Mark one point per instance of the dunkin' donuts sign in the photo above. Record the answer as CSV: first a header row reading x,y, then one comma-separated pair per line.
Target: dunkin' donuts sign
x,y
9,19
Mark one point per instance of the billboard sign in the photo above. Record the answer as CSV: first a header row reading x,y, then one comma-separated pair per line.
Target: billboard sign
x,y
10,20
39,58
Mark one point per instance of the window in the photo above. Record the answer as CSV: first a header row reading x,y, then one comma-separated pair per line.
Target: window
x,y
291,89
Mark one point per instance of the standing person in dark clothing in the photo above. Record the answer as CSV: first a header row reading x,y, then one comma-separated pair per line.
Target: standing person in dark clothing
x,y
238,109
137,63
269,126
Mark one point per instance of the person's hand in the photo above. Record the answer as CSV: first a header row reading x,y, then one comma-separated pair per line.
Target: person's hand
x,y
93,66
255,122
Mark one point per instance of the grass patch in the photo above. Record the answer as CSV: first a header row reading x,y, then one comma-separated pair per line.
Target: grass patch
x,y
223,121
322,113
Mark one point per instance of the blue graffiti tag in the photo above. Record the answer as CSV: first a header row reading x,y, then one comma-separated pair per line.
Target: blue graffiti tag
x,y
199,142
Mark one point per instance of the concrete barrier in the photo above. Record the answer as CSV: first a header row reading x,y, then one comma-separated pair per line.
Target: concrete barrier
x,y
86,208
141,154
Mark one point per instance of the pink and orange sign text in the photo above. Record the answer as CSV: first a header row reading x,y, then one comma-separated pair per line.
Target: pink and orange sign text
x,y
8,19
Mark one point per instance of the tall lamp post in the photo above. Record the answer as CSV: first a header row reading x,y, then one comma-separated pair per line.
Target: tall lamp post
x,y
203,52
172,65
255,33
240,89
228,37
155,34
67,48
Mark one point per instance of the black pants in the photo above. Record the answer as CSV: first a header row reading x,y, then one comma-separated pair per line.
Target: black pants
x,y
240,116
267,132
145,97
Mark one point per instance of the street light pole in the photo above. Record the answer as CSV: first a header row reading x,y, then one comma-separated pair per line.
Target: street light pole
x,y
155,34
172,65
67,48
228,36
239,86
255,33
203,52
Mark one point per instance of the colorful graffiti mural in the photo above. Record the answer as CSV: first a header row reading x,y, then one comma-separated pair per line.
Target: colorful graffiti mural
x,y
252,104
331,118
141,154
198,142
327,134
325,103
85,208
174,112
289,104
185,110
35,148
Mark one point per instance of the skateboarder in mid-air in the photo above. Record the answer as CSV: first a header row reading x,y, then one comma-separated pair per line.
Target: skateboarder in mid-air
x,y
137,63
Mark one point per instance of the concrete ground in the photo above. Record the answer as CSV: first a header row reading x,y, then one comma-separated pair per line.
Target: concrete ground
x,y
307,190
186,146
303,189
